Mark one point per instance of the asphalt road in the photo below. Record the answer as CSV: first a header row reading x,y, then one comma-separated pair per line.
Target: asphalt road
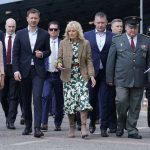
x,y
54,140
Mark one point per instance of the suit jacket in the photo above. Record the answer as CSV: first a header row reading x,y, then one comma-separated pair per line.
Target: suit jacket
x,y
126,67
98,55
65,55
22,52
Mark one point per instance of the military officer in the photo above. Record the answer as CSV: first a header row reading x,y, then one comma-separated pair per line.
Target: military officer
x,y
128,57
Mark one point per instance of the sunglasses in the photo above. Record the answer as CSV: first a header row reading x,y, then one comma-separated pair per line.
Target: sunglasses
x,y
53,29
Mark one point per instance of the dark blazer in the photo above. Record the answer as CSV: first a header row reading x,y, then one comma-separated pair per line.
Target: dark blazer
x,y
4,49
22,53
125,67
96,54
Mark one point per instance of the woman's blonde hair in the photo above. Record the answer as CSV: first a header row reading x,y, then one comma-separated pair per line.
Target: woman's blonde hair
x,y
77,26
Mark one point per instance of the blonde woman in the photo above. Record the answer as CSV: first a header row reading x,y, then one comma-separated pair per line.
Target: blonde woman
x,y
1,67
75,63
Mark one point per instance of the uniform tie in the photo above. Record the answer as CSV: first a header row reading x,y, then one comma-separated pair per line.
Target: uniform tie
x,y
132,44
9,50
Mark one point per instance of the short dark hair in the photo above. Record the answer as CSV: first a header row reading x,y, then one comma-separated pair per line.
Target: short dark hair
x,y
54,22
116,20
33,10
100,14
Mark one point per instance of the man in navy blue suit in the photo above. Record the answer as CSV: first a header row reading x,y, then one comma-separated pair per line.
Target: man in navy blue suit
x,y
31,47
100,41
53,87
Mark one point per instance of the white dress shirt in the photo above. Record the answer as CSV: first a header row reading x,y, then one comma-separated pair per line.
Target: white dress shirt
x,y
12,42
32,39
134,39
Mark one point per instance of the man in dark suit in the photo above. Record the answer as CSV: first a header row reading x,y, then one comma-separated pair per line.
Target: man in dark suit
x,y
128,57
100,41
31,47
53,87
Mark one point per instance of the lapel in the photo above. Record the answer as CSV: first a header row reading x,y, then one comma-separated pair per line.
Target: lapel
x,y
26,39
93,37
37,40
80,49
127,43
138,43
106,41
69,49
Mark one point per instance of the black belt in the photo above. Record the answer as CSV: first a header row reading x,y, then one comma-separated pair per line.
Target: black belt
x,y
75,65
53,73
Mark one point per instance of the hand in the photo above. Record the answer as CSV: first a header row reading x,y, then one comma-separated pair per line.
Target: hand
x,y
39,54
60,66
93,81
17,76
2,76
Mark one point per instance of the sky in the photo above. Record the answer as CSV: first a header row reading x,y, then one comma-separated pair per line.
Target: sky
x,y
8,1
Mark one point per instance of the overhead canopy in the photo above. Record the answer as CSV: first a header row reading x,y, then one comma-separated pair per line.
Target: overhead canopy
x,y
66,10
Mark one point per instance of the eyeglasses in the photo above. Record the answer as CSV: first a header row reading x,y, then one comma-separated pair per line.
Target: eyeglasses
x,y
53,29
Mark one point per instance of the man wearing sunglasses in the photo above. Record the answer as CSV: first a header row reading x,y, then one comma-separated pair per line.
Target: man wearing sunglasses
x,y
53,88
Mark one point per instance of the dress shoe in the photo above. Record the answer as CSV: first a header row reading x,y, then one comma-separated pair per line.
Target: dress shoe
x,y
104,133
10,125
22,121
135,136
44,128
112,131
92,127
119,132
38,133
57,128
27,131
78,127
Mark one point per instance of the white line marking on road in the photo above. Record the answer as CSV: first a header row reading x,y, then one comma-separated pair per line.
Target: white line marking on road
x,y
29,142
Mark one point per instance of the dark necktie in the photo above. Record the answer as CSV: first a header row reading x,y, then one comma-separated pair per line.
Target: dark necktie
x,y
132,44
9,50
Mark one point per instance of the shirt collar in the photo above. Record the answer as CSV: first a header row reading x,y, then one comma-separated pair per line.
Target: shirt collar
x,y
53,40
129,38
100,32
31,31
7,35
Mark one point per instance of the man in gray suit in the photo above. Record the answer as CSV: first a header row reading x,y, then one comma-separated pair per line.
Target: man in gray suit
x,y
128,57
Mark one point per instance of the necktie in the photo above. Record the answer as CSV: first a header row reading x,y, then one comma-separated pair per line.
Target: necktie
x,y
132,44
9,50
53,59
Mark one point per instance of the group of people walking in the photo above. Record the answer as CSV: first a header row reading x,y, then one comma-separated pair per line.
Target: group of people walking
x,y
98,72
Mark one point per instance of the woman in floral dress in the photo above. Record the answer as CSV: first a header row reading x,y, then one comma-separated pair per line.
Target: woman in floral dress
x,y
75,63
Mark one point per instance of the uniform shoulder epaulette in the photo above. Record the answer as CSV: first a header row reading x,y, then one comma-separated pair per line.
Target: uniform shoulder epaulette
x,y
145,35
116,35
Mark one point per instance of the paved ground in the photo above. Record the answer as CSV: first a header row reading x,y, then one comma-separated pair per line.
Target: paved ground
x,y
13,140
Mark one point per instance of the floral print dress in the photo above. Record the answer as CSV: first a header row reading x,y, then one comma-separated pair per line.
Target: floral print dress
x,y
76,94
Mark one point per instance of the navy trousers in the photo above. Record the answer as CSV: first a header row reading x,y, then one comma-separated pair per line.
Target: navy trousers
x,y
53,90
99,96
32,84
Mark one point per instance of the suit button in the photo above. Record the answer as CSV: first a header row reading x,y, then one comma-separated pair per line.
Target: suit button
x,y
133,68
133,60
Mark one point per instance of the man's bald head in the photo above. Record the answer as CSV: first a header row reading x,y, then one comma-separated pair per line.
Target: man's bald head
x,y
10,26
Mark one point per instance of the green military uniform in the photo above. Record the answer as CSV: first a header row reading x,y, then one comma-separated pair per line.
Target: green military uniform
x,y
125,68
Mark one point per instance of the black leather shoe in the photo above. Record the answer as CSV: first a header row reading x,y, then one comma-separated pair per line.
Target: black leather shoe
x,y
78,127
112,131
10,126
44,128
135,136
92,127
27,131
119,132
22,121
104,133
57,128
38,133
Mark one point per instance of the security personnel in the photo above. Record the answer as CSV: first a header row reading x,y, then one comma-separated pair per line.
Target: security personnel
x,y
128,57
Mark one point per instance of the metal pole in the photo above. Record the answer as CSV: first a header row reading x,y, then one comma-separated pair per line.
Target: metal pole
x,y
141,16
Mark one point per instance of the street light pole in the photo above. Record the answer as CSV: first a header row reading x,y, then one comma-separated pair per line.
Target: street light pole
x,y
141,16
